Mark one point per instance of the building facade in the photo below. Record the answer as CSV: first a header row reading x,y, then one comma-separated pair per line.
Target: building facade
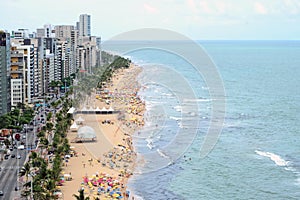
x,y
63,32
84,25
4,73
29,62
22,78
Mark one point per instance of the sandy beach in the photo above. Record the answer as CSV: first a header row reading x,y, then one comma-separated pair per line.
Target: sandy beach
x,y
102,167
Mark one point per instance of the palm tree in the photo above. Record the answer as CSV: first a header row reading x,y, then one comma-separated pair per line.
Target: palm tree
x,y
7,143
81,195
39,192
25,171
50,186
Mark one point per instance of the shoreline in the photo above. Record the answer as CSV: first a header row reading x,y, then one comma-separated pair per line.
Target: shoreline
x,y
112,156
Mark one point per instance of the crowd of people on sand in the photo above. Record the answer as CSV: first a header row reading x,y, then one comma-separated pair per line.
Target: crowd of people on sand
x,y
104,186
132,112
119,158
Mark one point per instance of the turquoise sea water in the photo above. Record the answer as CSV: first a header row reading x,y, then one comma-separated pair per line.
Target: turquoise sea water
x,y
257,155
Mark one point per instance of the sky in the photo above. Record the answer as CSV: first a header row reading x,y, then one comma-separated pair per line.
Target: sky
x,y
196,19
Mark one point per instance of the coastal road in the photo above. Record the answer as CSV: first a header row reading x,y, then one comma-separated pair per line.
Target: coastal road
x,y
9,174
11,166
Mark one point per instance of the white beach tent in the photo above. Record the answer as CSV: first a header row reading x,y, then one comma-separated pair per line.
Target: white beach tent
x,y
97,109
91,109
80,120
104,109
86,133
74,127
84,109
71,110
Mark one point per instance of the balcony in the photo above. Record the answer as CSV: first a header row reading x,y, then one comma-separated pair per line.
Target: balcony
x,y
16,55
16,77
16,71
17,63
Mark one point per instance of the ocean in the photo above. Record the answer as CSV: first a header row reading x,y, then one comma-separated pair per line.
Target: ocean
x,y
256,154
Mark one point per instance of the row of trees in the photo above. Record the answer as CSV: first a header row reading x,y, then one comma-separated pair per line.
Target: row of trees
x,y
17,117
87,82
64,82
118,63
45,175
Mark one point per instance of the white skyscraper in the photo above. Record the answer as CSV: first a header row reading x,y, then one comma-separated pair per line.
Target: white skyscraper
x,y
84,25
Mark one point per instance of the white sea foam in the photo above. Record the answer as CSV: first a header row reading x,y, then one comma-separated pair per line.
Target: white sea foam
x,y
176,118
298,181
136,197
276,158
166,94
178,108
196,100
150,143
180,125
162,154
281,162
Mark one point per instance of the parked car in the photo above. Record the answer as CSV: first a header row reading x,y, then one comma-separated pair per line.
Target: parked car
x,y
1,193
18,156
13,156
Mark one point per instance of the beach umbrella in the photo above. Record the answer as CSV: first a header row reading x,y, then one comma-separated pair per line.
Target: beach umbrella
x,y
115,195
86,180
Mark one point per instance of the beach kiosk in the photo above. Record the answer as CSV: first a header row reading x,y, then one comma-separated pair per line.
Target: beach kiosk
x,y
71,110
80,120
74,127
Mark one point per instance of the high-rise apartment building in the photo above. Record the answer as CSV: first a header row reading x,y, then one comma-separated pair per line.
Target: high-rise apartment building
x,y
48,31
22,66
21,33
49,69
4,72
40,32
67,39
33,71
86,52
84,25
31,61
63,32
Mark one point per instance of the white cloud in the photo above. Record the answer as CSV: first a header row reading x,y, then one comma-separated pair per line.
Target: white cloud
x,y
150,9
260,8
185,16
